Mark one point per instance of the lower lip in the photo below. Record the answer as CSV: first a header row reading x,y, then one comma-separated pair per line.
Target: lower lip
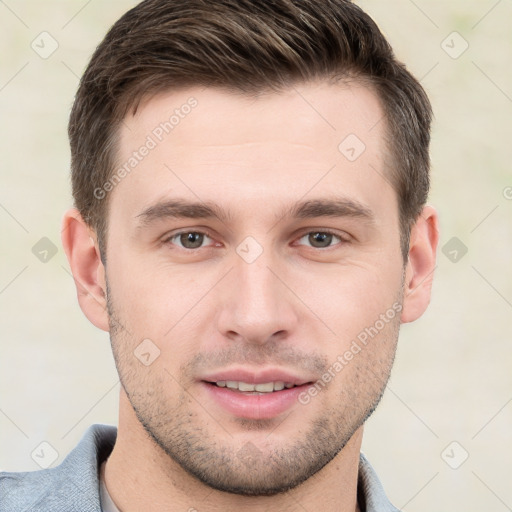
x,y
255,407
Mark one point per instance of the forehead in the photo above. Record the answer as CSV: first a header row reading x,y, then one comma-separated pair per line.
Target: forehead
x,y
313,138
217,114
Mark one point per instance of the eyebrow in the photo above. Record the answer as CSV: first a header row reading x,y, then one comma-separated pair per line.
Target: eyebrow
x,y
177,209
181,209
337,207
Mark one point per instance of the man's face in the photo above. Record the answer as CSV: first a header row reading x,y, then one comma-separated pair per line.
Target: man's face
x,y
251,248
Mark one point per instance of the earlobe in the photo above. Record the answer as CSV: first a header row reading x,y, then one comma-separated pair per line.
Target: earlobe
x,y
421,264
83,255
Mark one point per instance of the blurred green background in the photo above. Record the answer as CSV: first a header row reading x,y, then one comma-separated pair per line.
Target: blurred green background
x,y
442,437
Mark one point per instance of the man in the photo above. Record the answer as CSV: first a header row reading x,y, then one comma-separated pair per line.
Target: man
x,y
250,182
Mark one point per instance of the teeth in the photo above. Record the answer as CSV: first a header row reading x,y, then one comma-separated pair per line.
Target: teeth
x,y
243,386
266,387
263,388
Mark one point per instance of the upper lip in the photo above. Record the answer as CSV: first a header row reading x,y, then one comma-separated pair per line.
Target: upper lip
x,y
257,376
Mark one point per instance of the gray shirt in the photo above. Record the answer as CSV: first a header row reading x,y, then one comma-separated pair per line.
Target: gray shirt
x,y
74,485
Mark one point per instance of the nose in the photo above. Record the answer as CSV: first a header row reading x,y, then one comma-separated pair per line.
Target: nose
x,y
256,305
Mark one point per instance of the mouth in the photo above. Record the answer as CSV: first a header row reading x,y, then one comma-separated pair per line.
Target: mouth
x,y
243,394
253,389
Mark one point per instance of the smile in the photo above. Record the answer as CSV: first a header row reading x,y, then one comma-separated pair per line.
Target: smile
x,y
267,387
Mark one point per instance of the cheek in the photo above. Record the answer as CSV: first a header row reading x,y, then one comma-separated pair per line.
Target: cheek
x,y
364,363
156,301
349,298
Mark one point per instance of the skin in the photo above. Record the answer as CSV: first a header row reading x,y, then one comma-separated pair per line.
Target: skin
x,y
296,307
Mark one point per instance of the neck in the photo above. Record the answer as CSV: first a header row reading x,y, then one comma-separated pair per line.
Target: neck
x,y
140,476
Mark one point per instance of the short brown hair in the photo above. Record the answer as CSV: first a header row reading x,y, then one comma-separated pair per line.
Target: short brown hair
x,y
247,46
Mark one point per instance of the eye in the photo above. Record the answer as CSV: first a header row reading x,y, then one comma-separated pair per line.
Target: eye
x,y
189,239
320,239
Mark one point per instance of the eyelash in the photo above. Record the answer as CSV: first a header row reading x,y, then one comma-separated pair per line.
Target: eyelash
x,y
342,239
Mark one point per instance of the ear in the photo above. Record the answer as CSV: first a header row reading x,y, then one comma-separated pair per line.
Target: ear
x,y
421,264
82,251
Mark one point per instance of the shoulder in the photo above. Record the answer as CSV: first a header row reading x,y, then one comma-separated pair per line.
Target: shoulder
x,y
73,485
